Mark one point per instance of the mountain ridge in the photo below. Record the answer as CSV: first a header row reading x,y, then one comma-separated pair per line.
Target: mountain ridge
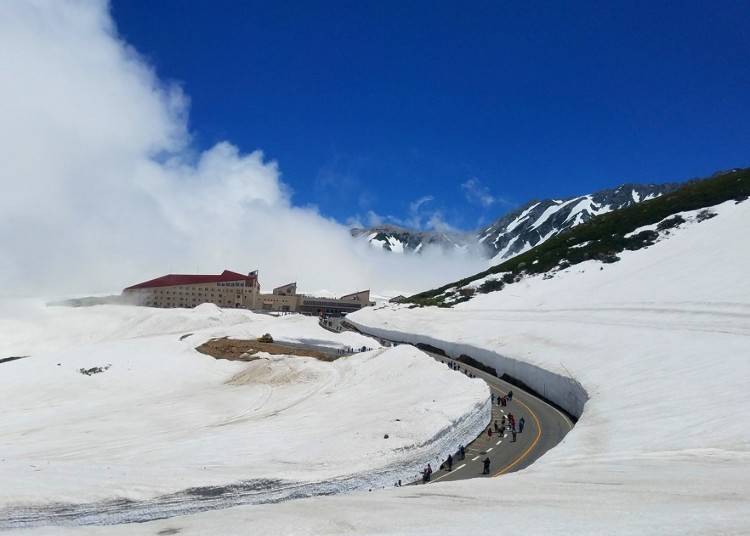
x,y
601,239
516,231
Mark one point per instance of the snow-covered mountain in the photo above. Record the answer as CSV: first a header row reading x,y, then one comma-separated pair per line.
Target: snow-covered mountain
x,y
538,221
517,231
401,240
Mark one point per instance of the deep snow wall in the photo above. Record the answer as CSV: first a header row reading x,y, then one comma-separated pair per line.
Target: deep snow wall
x,y
565,391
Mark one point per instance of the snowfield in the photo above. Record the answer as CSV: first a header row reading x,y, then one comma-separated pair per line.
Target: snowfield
x,y
164,418
659,343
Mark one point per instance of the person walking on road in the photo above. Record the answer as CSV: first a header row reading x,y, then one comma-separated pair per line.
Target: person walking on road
x,y
462,452
513,433
510,396
486,466
449,461
521,424
497,428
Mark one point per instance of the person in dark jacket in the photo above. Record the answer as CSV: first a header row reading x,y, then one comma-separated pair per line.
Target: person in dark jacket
x,y
521,424
449,461
486,464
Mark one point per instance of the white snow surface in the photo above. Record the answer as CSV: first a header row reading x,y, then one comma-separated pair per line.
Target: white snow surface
x,y
660,341
521,217
688,215
584,204
164,417
548,212
501,254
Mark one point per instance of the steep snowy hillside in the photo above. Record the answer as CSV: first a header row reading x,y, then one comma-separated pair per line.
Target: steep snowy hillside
x,y
603,238
517,231
658,342
539,221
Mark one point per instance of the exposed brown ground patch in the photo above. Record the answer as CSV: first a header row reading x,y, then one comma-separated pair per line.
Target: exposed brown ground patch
x,y
243,350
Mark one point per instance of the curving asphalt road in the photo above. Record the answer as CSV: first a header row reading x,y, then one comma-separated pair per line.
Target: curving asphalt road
x,y
545,427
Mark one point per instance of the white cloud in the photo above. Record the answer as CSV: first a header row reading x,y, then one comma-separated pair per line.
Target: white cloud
x,y
477,193
416,214
374,219
438,223
414,206
102,187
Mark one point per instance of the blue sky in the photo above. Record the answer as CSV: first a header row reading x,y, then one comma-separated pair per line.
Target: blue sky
x,y
442,113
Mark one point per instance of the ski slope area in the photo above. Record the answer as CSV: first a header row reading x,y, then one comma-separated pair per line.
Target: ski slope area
x,y
660,343
162,418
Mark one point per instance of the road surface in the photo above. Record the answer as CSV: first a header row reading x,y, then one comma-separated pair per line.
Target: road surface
x,y
545,426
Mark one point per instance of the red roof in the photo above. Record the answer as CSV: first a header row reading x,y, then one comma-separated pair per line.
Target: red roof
x,y
188,279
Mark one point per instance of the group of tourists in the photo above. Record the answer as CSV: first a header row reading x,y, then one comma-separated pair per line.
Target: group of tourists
x,y
503,400
349,350
460,455
457,368
505,424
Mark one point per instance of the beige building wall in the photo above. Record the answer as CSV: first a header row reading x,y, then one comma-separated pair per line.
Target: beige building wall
x,y
362,297
278,302
224,294
245,295
283,298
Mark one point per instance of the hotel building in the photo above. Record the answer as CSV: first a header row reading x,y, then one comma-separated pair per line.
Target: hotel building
x,y
235,290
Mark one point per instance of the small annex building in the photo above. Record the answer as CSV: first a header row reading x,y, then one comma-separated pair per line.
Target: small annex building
x,y
235,290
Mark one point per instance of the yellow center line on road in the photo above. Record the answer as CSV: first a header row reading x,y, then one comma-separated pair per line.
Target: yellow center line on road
x,y
528,450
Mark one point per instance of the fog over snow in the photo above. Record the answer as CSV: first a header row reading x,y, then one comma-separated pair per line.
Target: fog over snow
x,y
103,188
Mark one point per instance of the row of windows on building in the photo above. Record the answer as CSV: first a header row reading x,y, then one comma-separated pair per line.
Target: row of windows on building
x,y
330,304
193,298
189,293
183,301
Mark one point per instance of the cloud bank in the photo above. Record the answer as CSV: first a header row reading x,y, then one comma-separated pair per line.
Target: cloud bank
x,y
102,188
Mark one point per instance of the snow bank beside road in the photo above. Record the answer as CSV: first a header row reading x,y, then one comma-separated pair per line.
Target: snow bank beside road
x,y
164,417
563,390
